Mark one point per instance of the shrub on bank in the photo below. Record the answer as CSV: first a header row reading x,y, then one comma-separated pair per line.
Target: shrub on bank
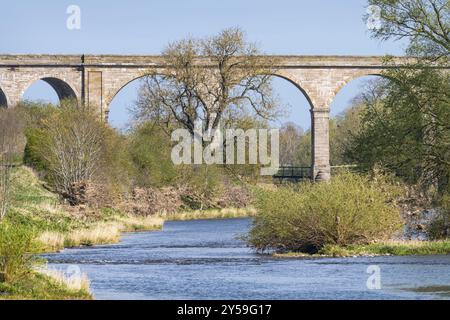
x,y
16,248
439,228
351,209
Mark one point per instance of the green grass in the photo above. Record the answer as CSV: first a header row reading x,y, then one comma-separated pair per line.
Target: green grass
x,y
35,207
37,286
395,248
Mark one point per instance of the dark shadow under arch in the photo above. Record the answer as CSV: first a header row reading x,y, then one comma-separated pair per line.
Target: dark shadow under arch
x,y
62,89
3,99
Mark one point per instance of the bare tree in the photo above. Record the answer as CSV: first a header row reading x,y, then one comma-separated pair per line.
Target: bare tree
x,y
11,146
290,143
71,143
208,79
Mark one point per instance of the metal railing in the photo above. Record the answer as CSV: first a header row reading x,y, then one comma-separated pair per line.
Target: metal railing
x,y
292,173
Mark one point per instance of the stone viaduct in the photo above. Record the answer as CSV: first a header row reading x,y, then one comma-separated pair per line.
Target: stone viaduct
x,y
96,79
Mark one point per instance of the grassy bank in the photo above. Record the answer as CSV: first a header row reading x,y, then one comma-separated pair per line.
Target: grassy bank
x,y
59,226
396,248
53,226
99,233
37,222
40,286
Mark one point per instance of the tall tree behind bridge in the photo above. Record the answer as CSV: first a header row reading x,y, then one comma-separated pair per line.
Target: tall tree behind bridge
x,y
425,23
220,78
406,122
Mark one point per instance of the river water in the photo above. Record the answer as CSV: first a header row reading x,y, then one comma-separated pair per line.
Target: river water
x,y
203,259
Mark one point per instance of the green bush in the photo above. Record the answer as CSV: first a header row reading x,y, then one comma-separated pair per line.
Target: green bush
x,y
16,248
351,209
150,149
439,228
33,113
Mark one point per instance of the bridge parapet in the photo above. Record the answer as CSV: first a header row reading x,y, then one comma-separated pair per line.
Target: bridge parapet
x,y
288,61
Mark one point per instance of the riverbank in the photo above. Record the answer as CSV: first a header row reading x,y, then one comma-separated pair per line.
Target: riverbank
x,y
143,266
110,230
225,213
40,286
392,248
58,226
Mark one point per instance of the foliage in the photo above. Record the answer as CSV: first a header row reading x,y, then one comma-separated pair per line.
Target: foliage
x,y
11,144
72,145
439,227
405,126
41,287
426,23
150,148
342,130
16,248
115,173
203,184
295,145
290,144
33,114
405,123
397,248
350,209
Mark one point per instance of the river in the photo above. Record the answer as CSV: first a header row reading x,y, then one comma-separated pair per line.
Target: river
x,y
203,259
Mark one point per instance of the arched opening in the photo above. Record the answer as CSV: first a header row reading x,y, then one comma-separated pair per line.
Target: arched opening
x,y
345,112
49,90
3,100
119,115
295,125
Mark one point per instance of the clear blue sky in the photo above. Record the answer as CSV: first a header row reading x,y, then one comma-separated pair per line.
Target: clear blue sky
x,y
318,27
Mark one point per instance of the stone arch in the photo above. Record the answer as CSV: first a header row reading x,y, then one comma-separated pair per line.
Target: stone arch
x,y
317,86
348,77
120,79
320,164
284,76
123,80
115,91
62,88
